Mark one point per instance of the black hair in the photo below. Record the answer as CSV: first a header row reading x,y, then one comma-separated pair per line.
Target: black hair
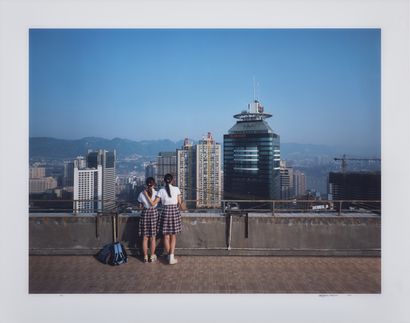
x,y
168,179
150,182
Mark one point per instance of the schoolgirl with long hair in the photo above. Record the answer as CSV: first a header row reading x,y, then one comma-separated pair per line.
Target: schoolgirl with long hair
x,y
170,220
149,220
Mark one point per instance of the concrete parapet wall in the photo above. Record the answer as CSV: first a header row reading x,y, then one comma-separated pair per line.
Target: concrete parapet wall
x,y
215,235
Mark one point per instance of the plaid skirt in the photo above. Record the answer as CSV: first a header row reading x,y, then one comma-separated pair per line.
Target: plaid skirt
x,y
170,222
148,222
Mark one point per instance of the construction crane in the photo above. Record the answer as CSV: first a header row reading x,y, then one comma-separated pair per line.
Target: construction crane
x,y
344,161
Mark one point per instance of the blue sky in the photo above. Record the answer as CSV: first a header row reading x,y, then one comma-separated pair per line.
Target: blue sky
x,y
321,85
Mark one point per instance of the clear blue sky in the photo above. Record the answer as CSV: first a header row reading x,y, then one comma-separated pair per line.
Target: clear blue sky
x,y
321,85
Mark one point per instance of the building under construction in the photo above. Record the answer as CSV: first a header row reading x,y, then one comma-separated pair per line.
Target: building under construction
x,y
363,186
355,185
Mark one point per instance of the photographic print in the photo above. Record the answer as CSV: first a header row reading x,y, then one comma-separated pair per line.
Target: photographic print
x,y
217,161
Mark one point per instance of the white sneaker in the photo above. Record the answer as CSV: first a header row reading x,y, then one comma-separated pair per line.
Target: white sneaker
x,y
172,260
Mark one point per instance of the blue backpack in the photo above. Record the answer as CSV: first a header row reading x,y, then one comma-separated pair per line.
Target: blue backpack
x,y
120,255
113,253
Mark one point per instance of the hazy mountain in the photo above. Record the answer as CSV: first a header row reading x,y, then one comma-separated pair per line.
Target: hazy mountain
x,y
63,148
301,151
52,148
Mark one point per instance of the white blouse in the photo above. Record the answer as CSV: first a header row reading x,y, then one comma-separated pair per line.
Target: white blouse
x,y
165,199
144,200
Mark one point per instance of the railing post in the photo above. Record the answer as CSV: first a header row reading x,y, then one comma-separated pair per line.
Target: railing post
x,y
273,208
230,231
340,208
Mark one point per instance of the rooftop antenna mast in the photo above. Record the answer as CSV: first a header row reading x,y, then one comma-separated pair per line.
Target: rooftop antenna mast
x,y
254,89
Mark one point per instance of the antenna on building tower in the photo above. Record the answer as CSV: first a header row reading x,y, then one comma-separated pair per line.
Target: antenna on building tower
x,y
254,89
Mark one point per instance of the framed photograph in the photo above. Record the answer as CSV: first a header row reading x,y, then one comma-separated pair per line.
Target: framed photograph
x,y
199,153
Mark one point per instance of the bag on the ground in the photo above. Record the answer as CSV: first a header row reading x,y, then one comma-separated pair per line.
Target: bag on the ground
x,y
105,254
113,254
119,255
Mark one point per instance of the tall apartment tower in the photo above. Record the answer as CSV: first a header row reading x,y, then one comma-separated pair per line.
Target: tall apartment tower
x,y
68,174
151,169
252,157
37,172
88,189
166,164
286,181
105,159
41,185
186,172
299,181
208,173
38,182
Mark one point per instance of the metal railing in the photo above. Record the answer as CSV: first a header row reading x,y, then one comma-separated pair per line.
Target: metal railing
x,y
273,207
302,206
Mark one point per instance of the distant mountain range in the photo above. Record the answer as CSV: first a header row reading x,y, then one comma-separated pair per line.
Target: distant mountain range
x,y
64,148
52,148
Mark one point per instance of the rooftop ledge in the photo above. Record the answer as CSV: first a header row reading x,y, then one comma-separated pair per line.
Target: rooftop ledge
x,y
285,234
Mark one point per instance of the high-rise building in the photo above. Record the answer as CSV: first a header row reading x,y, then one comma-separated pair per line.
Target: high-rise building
x,y
186,172
151,170
208,173
299,183
166,164
40,185
363,186
199,173
37,172
38,182
354,185
68,174
88,189
252,157
106,159
286,181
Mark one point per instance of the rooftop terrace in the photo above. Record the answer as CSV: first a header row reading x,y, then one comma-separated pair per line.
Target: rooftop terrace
x,y
207,274
237,252
291,248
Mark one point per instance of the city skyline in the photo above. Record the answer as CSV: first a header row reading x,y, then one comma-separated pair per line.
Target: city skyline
x,y
321,85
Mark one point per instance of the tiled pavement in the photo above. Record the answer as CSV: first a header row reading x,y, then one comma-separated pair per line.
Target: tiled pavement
x,y
199,274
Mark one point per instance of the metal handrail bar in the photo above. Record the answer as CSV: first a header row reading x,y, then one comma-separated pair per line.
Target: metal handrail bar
x,y
225,206
303,201
257,201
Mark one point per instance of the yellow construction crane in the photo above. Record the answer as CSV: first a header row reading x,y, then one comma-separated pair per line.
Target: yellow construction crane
x,y
344,159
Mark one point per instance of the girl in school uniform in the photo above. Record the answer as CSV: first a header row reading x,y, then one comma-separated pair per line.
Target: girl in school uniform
x,y
170,222
149,219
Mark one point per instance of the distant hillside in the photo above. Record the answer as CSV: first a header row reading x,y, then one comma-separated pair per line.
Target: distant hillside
x,y
51,148
300,151
62,148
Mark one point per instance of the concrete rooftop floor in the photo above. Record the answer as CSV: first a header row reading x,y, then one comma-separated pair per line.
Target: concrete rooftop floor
x,y
206,274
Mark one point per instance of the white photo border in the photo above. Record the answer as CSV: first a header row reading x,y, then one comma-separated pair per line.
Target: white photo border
x,y
17,17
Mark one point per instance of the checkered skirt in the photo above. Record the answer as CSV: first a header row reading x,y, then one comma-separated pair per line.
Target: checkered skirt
x,y
170,222
148,222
